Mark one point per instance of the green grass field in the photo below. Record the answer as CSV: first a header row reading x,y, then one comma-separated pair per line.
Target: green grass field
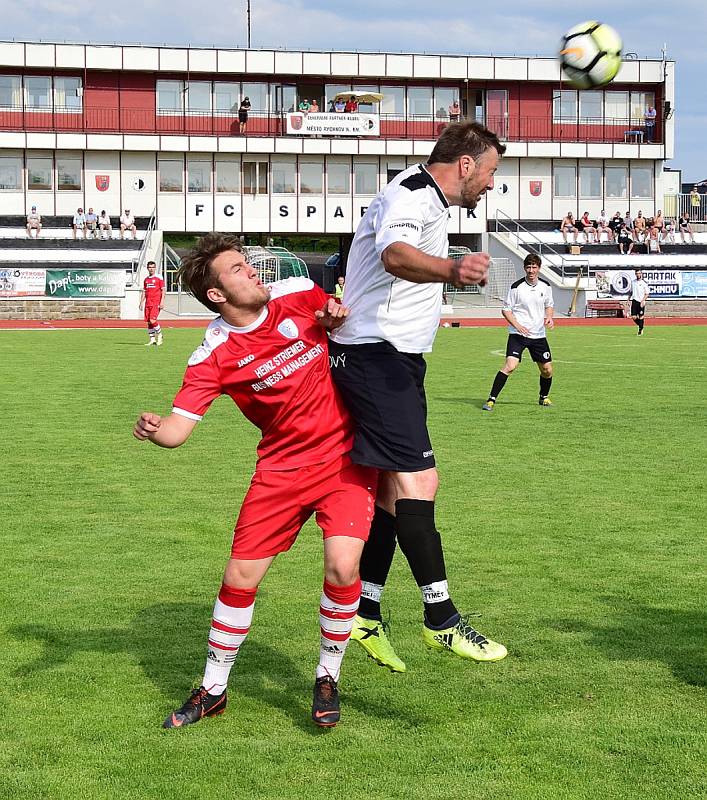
x,y
578,532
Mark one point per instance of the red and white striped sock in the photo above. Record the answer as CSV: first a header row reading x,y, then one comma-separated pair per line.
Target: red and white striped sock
x,y
337,610
233,612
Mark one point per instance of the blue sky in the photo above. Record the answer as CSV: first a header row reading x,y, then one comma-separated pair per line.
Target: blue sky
x,y
524,28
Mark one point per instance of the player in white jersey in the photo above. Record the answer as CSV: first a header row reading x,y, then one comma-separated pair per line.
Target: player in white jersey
x,y
396,271
639,294
528,310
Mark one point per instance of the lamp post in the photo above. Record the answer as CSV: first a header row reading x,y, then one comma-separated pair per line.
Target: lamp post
x,y
249,24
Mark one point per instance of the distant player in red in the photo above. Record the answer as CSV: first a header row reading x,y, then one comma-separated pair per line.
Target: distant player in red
x,y
152,298
268,352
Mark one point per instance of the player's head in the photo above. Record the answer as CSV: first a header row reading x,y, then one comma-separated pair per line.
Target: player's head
x,y
217,273
639,274
531,265
151,267
471,151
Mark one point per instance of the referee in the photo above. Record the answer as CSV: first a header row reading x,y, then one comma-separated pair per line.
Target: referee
x,y
397,267
528,310
639,295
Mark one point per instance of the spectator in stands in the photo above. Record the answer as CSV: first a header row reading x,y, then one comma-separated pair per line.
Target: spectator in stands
x,y
639,227
695,201
243,110
304,106
625,240
659,222
127,223
339,105
34,222
628,222
604,226
649,120
615,224
590,232
339,289
684,228
79,222
454,111
669,232
105,226
653,240
314,107
92,223
351,106
568,225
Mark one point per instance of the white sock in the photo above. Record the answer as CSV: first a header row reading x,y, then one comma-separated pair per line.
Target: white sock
x,y
337,609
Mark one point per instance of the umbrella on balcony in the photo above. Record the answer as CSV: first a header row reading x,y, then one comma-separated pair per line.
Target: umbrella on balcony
x,y
361,97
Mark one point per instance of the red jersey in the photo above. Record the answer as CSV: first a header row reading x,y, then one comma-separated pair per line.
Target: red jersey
x,y
276,370
153,286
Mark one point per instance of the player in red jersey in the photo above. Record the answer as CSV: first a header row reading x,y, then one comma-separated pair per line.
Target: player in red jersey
x,y
152,298
268,352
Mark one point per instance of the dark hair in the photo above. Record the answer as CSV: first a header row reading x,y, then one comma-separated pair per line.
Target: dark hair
x,y
151,262
195,270
532,258
464,139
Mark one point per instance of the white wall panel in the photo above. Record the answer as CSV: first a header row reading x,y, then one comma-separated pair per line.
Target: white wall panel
x,y
41,141
650,71
200,211
66,203
262,61
573,150
338,214
628,72
399,66
12,139
143,58
71,141
311,213
453,67
504,195
173,60
14,203
44,202
543,69
136,142
138,183
344,64
202,60
288,63
535,169
170,212
480,68
40,55
284,213
227,213
256,212
99,164
104,141
316,64
104,57
426,66
473,222
12,54
371,65
70,56
230,61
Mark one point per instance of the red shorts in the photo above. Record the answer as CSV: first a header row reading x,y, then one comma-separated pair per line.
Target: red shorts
x,y
152,312
278,503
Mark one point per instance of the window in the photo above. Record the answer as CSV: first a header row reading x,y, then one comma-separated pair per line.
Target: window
x,y
338,177
171,175
283,177
284,98
39,173
639,103
420,101
367,108
311,176
443,99
199,176
39,93
616,108
591,107
565,181
393,101
226,97
68,174
255,177
170,97
258,95
198,96
332,89
11,91
365,177
67,94
590,182
641,182
564,106
228,177
10,173
616,182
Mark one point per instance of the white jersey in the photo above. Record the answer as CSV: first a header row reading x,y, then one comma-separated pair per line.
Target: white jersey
x,y
528,303
639,290
412,209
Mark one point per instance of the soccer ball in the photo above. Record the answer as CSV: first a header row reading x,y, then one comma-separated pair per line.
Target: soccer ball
x,y
590,55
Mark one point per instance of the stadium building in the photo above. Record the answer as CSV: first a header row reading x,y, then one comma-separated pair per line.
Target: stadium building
x,y
156,130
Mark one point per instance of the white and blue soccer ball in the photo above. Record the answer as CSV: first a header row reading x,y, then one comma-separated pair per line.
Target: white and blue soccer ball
x,y
590,55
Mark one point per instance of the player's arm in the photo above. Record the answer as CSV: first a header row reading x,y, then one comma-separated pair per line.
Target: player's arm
x,y
142,298
511,320
332,315
549,320
407,262
171,431
164,292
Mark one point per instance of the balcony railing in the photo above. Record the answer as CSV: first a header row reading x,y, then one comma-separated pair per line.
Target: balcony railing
x,y
392,126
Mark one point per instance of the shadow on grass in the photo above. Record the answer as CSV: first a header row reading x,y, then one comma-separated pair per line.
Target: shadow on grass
x,y
639,632
168,641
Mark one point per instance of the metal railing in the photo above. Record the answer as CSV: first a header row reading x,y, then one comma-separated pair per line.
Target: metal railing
x,y
146,242
566,268
262,123
694,205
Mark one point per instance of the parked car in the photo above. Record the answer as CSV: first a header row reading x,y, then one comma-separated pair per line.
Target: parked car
x,y
334,260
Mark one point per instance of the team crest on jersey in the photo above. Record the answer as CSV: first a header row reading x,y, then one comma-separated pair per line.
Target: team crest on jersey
x,y
288,328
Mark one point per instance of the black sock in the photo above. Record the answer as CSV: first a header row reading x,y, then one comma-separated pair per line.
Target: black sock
x,y
422,546
637,321
498,383
545,384
376,559
640,324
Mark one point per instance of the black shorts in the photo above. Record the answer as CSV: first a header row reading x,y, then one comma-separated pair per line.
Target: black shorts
x,y
637,310
384,391
539,349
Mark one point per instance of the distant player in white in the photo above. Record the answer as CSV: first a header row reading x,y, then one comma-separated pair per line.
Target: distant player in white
x,y
528,310
639,294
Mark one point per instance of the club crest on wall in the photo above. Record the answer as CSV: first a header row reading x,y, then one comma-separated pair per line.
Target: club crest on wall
x,y
536,188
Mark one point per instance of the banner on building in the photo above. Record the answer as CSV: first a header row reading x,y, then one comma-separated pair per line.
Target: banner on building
x,y
333,124
663,283
22,282
85,283
694,284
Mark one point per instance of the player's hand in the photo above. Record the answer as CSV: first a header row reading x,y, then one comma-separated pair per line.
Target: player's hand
x,y
549,322
332,315
147,424
471,270
522,330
